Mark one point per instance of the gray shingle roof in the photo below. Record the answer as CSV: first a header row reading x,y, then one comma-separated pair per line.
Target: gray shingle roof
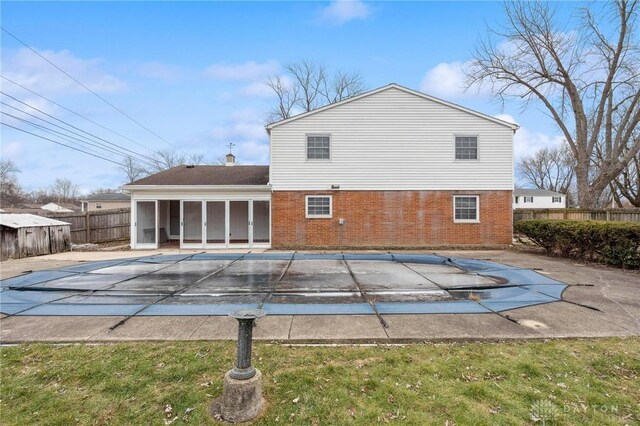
x,y
108,196
536,192
208,175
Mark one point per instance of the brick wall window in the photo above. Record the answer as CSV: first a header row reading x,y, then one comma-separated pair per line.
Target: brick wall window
x,y
556,199
318,206
318,147
466,208
466,147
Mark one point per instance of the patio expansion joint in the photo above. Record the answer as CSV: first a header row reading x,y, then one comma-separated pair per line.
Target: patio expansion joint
x,y
198,327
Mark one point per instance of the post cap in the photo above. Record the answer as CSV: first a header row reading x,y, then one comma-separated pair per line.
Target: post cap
x,y
248,313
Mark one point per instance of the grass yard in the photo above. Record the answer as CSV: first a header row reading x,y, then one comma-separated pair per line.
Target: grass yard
x,y
554,382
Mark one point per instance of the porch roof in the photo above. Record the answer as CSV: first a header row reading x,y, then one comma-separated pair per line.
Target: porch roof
x,y
207,176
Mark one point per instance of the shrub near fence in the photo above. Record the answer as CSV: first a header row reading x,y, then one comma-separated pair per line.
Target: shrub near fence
x,y
98,226
609,215
613,243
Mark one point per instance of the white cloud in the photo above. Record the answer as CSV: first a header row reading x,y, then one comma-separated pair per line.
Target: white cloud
x,y
527,142
258,89
341,11
447,80
245,128
250,70
11,150
161,71
30,70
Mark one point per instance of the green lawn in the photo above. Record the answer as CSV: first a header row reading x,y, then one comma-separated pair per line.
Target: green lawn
x,y
555,382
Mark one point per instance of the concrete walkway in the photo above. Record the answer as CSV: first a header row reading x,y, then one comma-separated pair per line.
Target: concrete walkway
x,y
599,302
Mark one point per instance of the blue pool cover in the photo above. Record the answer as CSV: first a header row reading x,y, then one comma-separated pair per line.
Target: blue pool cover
x,y
280,283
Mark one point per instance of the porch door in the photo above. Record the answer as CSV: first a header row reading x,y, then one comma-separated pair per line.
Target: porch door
x,y
216,224
145,224
239,224
192,225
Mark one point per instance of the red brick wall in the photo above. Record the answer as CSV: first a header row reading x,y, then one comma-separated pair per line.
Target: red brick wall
x,y
390,219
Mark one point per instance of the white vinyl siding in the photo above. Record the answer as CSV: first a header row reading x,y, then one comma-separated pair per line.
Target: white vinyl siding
x,y
318,206
466,208
318,147
466,147
392,140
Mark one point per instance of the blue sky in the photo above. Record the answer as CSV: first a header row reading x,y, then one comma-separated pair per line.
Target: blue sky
x,y
193,72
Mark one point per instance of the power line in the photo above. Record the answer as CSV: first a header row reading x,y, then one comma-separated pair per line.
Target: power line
x,y
60,143
63,135
75,113
121,148
87,88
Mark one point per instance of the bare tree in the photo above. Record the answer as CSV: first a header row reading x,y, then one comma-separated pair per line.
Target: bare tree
x,y
132,169
10,191
627,184
548,168
588,80
166,159
63,190
343,86
307,85
287,95
160,160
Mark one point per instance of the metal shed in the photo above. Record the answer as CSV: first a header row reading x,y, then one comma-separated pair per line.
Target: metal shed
x,y
24,235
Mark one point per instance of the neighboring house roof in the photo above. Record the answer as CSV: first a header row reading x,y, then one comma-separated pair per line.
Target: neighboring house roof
x,y
404,89
536,192
108,196
52,206
27,221
58,207
207,175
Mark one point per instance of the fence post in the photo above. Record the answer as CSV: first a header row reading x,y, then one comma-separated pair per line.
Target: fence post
x,y
87,227
608,216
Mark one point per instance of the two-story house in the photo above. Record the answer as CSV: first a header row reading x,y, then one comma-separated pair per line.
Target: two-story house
x,y
524,198
389,168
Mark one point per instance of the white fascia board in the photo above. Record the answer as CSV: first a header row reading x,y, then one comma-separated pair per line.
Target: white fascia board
x,y
512,126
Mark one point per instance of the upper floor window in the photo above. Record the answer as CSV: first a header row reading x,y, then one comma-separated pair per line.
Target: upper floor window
x,y
556,199
466,147
98,206
318,147
517,199
527,199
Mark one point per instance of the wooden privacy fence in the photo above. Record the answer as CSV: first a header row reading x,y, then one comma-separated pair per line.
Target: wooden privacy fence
x,y
611,215
97,226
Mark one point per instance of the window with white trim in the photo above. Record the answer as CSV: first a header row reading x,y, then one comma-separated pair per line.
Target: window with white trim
x,y
466,147
556,199
318,147
98,206
517,199
527,199
465,208
318,206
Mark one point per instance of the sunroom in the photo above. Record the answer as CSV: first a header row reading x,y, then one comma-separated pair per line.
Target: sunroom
x,y
202,207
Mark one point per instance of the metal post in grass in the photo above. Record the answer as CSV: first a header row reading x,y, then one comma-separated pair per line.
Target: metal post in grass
x,y
241,398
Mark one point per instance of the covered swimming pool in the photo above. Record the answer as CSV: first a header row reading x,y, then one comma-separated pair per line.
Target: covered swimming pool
x,y
282,283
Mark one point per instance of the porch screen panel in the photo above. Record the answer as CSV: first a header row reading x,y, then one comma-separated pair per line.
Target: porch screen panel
x,y
146,222
192,222
174,217
215,222
261,221
239,222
